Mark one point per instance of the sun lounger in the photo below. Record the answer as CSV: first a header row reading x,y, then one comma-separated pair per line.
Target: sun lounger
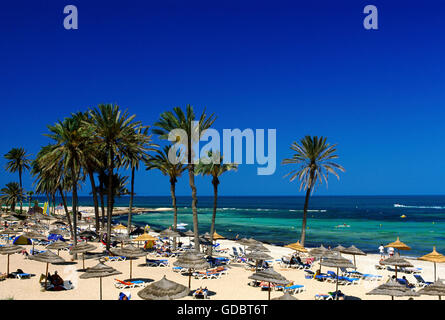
x,y
22,275
420,282
115,258
200,293
157,263
323,297
411,270
129,284
295,288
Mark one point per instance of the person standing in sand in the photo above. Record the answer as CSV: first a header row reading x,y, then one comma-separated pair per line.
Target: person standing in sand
x,y
382,251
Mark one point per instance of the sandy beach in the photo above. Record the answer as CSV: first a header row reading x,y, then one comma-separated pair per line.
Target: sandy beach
x,y
232,286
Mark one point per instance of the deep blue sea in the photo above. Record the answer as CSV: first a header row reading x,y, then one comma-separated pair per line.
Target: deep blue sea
x,y
369,220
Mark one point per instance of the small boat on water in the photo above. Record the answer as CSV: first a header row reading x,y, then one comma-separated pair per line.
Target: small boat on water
x,y
181,226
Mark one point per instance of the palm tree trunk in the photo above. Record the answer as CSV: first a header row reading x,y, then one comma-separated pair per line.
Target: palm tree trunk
x,y
102,202
110,196
130,209
194,203
21,190
66,211
74,205
306,204
96,204
215,183
175,209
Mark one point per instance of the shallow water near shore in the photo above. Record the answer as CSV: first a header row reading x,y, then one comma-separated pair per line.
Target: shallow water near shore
x,y
365,221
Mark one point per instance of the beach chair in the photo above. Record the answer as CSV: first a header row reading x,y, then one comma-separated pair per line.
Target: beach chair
x,y
410,270
420,282
129,284
285,262
324,297
115,258
234,254
177,269
22,275
308,274
200,293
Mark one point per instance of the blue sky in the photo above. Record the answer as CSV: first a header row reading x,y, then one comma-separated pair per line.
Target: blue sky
x,y
301,68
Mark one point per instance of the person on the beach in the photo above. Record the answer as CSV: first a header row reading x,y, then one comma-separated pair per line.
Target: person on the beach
x,y
390,251
382,251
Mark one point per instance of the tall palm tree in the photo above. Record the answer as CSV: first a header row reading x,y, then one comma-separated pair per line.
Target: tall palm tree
x,y
114,129
161,162
209,167
29,194
71,138
314,157
11,194
18,161
178,119
139,143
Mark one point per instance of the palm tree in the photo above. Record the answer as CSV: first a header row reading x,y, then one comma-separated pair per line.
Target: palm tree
x,y
314,159
177,119
29,195
209,167
139,143
11,194
162,163
114,129
18,161
71,138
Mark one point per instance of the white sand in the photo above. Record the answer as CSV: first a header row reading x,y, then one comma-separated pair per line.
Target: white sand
x,y
232,286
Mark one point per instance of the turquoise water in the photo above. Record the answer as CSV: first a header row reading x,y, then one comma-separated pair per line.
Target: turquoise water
x,y
372,220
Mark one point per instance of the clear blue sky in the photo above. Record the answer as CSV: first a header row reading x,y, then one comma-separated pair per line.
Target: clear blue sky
x,y
301,67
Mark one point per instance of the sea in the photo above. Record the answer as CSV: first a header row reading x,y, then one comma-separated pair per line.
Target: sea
x,y
363,221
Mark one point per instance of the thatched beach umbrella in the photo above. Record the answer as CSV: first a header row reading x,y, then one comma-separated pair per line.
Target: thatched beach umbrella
x,y
399,245
270,276
435,257
435,289
99,271
217,236
169,233
144,237
122,238
47,257
296,246
258,256
58,245
396,261
339,248
9,249
190,234
257,247
164,289
8,232
129,251
248,242
393,289
192,261
321,252
354,251
82,247
88,233
285,296
34,236
336,261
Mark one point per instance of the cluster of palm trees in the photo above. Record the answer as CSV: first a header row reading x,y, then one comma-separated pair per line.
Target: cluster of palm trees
x,y
95,145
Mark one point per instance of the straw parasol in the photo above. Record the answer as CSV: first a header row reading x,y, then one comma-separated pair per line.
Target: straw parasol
x,y
34,236
55,231
398,245
248,242
169,233
320,253
285,296
396,261
217,236
47,257
164,289
82,247
435,289
257,247
192,261
122,238
339,248
354,251
9,249
99,271
88,233
393,289
296,246
129,251
270,276
336,261
258,256
8,232
119,227
144,237
58,245
189,233
435,257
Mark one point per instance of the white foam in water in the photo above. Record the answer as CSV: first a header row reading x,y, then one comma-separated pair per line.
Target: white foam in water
x,y
396,205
